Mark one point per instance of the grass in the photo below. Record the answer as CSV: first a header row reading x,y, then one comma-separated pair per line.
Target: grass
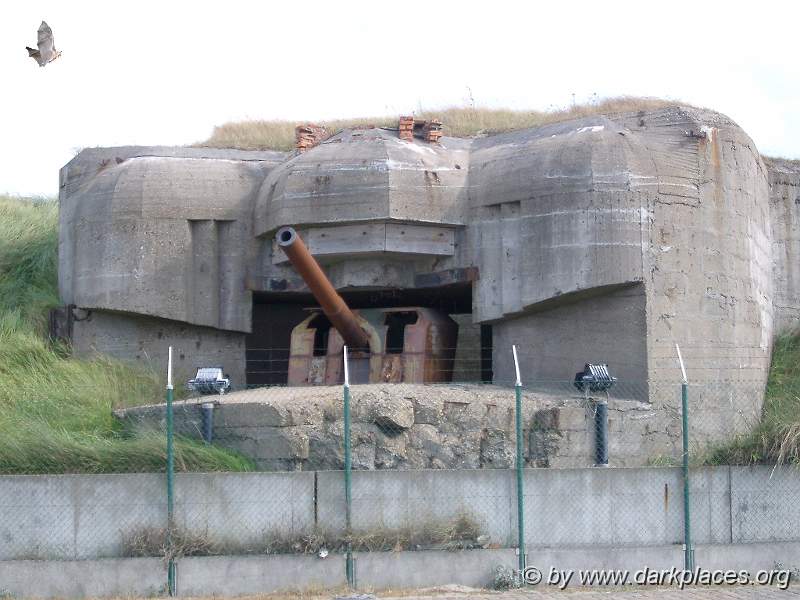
x,y
458,122
776,439
55,410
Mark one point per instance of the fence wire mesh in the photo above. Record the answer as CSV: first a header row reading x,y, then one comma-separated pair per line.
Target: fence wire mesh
x,y
262,470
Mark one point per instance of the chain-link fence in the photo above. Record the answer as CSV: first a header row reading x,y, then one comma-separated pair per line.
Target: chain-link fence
x,y
427,460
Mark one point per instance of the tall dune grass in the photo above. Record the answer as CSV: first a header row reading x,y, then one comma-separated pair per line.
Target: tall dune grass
x,y
55,410
776,439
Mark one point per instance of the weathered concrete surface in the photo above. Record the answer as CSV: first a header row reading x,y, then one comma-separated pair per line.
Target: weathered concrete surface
x,y
146,341
784,197
116,577
676,199
563,508
415,499
240,575
162,236
467,364
472,568
764,505
407,426
626,507
76,516
367,175
81,517
609,328
375,209
69,517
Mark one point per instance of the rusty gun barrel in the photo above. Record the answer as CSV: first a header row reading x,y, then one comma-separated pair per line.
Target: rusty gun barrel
x,y
334,307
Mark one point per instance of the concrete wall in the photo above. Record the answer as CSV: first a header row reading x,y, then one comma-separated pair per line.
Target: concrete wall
x,y
555,343
577,507
146,340
467,366
784,202
676,199
742,518
228,576
120,577
618,507
90,516
164,236
709,257
241,575
409,499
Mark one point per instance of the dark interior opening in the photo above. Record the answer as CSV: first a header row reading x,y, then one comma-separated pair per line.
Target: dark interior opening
x,y
322,330
396,333
451,299
276,313
267,347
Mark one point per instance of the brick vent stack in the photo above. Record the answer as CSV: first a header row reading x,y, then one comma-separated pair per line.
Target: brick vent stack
x,y
407,128
308,135
432,130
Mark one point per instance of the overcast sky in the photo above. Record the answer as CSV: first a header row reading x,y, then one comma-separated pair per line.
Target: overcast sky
x,y
166,72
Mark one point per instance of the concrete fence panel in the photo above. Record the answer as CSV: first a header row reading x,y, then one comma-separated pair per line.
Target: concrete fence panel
x,y
618,507
242,510
95,516
76,516
765,504
398,499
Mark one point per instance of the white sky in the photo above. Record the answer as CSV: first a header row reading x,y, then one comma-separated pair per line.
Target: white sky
x,y
166,72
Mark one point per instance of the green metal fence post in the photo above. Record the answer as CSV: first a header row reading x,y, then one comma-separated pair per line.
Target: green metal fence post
x,y
170,480
348,465
519,465
688,551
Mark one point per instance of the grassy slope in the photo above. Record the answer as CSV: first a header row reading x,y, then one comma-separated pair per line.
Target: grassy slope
x,y
55,411
777,438
457,122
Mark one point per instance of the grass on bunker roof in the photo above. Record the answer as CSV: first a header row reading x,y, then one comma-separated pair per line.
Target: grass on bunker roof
x,y
55,410
458,121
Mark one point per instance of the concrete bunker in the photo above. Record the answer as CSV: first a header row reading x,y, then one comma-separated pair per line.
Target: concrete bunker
x,y
602,239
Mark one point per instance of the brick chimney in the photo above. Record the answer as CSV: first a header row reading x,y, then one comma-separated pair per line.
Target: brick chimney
x,y
407,128
308,135
432,130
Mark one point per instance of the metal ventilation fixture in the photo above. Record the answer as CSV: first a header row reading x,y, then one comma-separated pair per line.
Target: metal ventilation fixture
x,y
594,378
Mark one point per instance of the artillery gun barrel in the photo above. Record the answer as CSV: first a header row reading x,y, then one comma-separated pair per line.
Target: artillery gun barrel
x,y
334,307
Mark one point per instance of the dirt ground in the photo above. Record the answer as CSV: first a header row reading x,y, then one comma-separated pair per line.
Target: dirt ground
x,y
538,593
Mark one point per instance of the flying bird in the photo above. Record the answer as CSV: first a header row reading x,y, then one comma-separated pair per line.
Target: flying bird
x,y
47,51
